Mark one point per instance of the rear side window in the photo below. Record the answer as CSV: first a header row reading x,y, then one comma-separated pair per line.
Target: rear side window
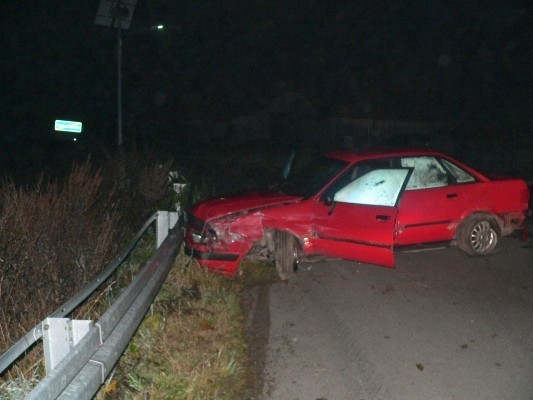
x,y
459,174
427,172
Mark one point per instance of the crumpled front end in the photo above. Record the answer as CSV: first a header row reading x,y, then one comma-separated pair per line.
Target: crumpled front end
x,y
221,243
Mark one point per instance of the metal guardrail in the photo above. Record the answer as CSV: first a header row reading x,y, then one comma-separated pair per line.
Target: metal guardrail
x,y
83,370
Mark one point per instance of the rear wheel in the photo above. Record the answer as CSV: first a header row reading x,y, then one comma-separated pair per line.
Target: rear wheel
x,y
285,254
478,235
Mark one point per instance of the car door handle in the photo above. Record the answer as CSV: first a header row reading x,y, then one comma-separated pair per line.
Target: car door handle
x,y
383,217
451,195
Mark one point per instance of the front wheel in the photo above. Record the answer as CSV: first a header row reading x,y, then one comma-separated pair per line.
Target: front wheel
x,y
285,254
478,235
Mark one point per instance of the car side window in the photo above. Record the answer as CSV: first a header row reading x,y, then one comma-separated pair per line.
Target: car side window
x,y
427,172
380,187
356,171
459,174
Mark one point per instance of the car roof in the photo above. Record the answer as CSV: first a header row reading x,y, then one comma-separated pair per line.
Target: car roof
x,y
367,154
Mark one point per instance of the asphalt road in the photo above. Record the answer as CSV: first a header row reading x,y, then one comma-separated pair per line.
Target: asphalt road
x,y
442,325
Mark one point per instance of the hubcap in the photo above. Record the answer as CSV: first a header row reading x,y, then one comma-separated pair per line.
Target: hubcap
x,y
483,238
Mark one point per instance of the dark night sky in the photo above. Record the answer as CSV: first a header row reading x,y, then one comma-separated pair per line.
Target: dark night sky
x,y
433,61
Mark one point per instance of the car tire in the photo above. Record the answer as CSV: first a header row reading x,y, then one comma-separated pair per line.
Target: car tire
x,y
285,254
478,235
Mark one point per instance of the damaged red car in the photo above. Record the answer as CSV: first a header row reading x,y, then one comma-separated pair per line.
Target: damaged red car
x,y
359,206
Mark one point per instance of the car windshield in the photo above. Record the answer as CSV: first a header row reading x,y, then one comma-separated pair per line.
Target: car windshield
x,y
308,178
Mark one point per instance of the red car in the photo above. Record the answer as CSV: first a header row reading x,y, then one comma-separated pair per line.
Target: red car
x,y
359,206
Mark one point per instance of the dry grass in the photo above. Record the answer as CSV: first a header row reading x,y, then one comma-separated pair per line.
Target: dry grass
x,y
190,346
56,236
50,245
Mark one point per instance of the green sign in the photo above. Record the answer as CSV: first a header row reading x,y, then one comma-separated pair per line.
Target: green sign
x,y
68,126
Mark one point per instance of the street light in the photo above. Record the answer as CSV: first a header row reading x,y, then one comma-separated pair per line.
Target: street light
x,y
118,14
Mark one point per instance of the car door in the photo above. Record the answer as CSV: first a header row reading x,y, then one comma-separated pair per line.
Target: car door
x,y
359,222
432,203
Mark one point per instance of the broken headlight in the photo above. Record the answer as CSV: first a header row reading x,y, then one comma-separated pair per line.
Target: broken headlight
x,y
209,236
214,232
205,235
200,232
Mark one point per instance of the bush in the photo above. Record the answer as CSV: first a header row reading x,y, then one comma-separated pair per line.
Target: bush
x,y
138,182
56,237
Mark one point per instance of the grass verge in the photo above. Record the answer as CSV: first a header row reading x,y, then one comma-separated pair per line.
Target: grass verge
x,y
192,343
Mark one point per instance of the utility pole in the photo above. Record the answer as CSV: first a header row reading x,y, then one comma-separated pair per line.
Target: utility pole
x,y
119,82
117,14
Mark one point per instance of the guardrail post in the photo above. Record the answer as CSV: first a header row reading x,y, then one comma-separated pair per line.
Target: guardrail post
x,y
165,222
60,335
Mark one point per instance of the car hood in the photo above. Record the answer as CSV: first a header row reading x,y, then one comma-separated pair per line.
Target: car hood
x,y
247,202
